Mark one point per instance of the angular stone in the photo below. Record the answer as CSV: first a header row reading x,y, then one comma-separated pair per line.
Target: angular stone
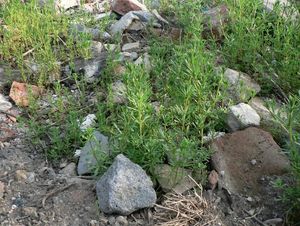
x,y
242,116
214,21
124,6
125,56
95,33
173,179
69,170
124,188
131,47
93,148
21,175
144,60
5,105
125,22
241,86
233,154
88,122
21,93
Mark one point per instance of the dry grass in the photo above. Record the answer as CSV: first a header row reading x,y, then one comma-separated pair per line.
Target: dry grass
x,y
184,210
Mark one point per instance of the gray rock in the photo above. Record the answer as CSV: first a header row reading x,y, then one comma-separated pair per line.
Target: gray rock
x,y
131,47
95,147
173,179
119,92
144,60
124,23
241,86
242,116
125,56
5,105
69,170
95,33
90,68
124,188
61,5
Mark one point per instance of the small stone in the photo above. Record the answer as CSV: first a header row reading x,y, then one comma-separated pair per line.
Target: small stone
x,y
96,146
273,222
88,122
21,93
241,86
30,177
213,179
173,179
242,116
119,70
125,56
69,170
214,21
249,199
30,212
119,92
2,189
111,220
131,47
124,188
124,6
121,221
21,175
253,162
5,105
211,136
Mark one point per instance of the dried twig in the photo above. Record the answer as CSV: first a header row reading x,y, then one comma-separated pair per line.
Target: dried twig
x,y
54,192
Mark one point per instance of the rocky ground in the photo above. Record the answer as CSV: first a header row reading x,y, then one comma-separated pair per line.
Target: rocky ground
x,y
245,166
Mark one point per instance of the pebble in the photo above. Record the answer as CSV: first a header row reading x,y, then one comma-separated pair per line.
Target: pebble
x,y
21,175
111,220
30,211
2,189
121,221
253,162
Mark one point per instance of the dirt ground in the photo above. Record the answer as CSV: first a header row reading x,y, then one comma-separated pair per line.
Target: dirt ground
x,y
33,192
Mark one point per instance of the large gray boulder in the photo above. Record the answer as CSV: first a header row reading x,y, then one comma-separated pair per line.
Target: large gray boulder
x,y
124,188
96,146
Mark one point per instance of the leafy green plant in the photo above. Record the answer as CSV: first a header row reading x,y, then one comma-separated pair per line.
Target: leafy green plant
x,y
264,43
289,119
36,40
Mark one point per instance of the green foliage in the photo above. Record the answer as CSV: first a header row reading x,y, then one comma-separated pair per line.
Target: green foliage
x,y
265,43
289,119
35,35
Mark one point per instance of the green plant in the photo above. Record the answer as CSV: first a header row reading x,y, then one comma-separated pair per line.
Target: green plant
x,y
36,40
289,119
265,44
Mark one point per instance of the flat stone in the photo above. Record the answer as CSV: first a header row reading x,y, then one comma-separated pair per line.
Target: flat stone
x,y
5,105
241,86
124,6
173,179
233,154
69,170
126,56
124,188
242,116
96,146
131,47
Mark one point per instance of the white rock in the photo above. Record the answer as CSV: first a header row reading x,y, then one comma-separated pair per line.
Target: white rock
x,y
5,105
242,116
88,122
211,136
66,4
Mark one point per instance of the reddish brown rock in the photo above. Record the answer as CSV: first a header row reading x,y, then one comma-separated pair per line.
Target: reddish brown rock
x,y
214,21
21,93
124,6
233,154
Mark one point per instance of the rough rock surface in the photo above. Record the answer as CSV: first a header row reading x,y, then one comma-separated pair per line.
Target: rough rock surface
x,y
124,6
234,152
172,179
241,86
95,147
242,116
4,103
125,188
